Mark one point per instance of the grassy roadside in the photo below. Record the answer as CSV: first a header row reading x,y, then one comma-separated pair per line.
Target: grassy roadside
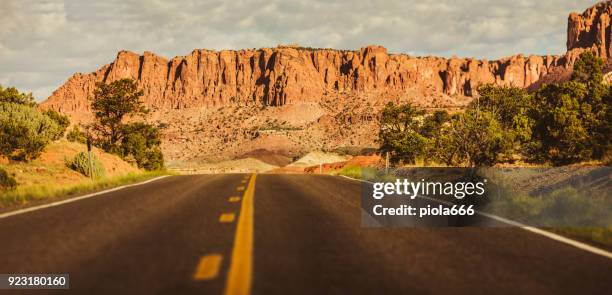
x,y
576,207
38,193
49,178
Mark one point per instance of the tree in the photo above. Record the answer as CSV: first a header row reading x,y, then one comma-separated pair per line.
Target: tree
x,y
141,142
506,103
573,120
474,138
12,95
24,131
601,132
431,129
76,135
399,133
62,121
588,69
597,102
512,108
112,103
560,132
432,125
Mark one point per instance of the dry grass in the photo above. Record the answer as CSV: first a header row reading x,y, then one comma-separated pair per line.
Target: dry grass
x,y
24,195
48,177
50,167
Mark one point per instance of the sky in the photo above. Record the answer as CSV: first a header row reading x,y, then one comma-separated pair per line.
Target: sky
x,y
44,42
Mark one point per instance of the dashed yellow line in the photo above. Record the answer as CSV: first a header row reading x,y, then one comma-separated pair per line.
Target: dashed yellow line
x,y
234,199
208,267
227,217
240,271
240,188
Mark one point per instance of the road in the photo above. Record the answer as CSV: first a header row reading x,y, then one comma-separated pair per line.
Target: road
x,y
289,234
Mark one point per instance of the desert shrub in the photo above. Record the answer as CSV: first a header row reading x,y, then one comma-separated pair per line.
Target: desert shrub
x,y
352,171
573,120
80,163
62,121
12,95
24,131
569,206
512,108
560,131
432,124
399,133
7,182
141,142
474,138
76,135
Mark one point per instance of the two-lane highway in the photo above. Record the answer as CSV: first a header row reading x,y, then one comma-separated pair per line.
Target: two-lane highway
x,y
277,234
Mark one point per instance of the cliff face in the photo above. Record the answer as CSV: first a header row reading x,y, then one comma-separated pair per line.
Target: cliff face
x,y
287,75
214,103
591,30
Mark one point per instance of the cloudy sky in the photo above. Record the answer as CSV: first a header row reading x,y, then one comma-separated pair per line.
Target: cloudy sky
x,y
43,42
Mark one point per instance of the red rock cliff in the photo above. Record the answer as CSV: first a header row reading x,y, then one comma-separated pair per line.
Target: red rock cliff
x,y
286,75
591,30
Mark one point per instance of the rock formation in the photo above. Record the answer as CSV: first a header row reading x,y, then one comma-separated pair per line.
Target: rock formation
x,y
286,75
591,30
296,99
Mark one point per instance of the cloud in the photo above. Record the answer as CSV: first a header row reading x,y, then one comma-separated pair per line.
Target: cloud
x,y
42,43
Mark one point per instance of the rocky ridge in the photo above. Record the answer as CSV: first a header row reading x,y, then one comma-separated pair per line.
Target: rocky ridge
x,y
288,75
221,104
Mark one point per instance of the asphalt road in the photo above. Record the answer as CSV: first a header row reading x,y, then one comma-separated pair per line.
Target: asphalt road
x,y
301,235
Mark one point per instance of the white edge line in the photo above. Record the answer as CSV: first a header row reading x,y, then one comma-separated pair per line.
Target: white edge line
x,y
25,210
532,229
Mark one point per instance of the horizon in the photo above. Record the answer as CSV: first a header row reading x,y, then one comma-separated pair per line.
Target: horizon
x,y
491,34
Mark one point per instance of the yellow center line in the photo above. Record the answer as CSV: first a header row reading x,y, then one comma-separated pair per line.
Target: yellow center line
x,y
240,188
241,267
227,217
234,199
208,268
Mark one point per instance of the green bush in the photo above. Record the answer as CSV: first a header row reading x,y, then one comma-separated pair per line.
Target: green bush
x,y
399,133
353,171
573,120
141,142
12,95
80,163
62,121
76,135
474,138
24,131
7,182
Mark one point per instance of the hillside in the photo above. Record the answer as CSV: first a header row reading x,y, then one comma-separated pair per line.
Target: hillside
x,y
51,168
289,100
49,177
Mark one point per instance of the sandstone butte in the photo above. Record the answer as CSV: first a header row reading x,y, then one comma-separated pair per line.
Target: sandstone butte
x,y
292,75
